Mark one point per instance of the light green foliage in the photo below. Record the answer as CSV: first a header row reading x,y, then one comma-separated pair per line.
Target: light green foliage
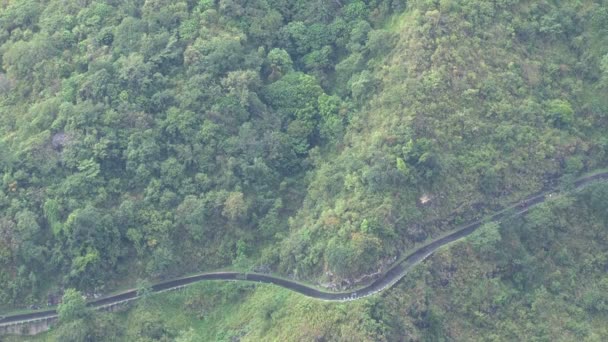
x,y
345,258
144,289
147,326
458,293
188,336
72,306
560,113
51,212
486,237
279,63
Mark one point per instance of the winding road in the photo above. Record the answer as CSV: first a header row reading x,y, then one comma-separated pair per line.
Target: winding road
x,y
395,273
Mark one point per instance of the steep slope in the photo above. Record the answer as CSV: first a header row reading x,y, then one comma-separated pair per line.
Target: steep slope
x,y
477,105
145,139
537,277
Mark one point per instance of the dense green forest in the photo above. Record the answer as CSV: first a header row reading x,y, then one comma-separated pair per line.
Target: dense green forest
x,y
153,138
497,285
141,140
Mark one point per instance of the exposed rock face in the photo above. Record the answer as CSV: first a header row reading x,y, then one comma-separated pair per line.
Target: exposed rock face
x,y
340,284
60,140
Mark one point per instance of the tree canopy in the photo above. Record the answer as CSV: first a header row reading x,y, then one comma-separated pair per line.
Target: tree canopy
x,y
317,140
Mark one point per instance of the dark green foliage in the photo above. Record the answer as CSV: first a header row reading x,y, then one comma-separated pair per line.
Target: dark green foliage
x,y
293,93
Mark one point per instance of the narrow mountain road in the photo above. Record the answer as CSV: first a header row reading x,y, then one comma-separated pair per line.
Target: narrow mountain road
x,y
388,278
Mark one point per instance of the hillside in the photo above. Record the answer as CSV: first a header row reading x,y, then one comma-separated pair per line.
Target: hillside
x,y
141,140
474,109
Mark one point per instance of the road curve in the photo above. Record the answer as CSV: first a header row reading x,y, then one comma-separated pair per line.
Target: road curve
x,y
388,278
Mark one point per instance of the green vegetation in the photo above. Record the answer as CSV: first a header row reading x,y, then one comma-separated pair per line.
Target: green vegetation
x,y
141,140
503,288
146,140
